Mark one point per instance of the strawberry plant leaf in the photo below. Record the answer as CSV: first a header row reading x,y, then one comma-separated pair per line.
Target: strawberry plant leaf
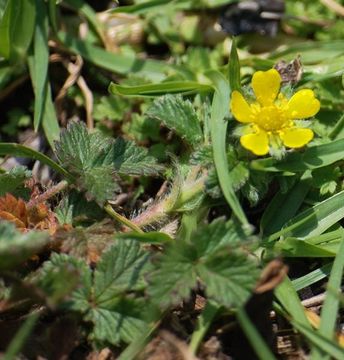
x,y
119,270
119,321
62,276
16,247
214,257
179,115
109,297
95,161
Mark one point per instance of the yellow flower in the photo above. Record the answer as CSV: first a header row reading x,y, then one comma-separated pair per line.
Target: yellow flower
x,y
271,118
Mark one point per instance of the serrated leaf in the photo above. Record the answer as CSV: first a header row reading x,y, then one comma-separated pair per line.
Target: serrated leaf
x,y
16,247
110,299
74,209
122,321
129,159
119,270
95,160
61,276
179,115
175,276
213,255
13,179
229,277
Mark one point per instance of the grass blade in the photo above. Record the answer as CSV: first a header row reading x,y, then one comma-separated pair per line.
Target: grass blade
x,y
39,62
26,152
151,90
331,304
312,158
20,338
262,350
218,129
234,68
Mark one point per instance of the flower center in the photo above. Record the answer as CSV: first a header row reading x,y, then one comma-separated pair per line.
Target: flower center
x,y
269,118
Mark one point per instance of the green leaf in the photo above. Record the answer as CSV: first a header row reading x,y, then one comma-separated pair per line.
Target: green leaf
x,y
95,160
111,302
284,206
178,115
129,159
40,61
16,29
61,276
119,270
318,219
119,322
16,247
234,68
312,158
13,179
26,152
218,126
151,90
118,63
212,256
329,311
74,209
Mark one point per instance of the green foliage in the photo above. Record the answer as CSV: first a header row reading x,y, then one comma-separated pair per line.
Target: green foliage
x,y
16,28
178,115
96,161
213,255
16,247
13,179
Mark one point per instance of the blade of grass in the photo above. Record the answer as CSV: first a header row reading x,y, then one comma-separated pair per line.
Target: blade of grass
x,y
317,340
234,68
312,277
288,298
330,308
218,129
83,8
118,63
262,350
203,323
49,122
20,337
319,218
275,215
151,90
39,62
312,158
26,152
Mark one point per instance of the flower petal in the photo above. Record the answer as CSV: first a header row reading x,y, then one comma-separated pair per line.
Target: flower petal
x,y
266,85
239,107
258,143
303,104
296,137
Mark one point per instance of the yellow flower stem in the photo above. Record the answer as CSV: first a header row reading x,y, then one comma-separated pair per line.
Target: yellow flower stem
x,y
122,219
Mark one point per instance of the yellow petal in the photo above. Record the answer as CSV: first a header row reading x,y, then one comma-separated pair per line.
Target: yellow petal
x,y
258,143
266,85
239,107
295,137
303,104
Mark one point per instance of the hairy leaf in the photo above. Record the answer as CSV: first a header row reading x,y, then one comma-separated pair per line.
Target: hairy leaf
x,y
213,255
95,161
179,115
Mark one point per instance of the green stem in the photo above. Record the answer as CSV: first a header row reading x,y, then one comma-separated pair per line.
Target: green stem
x,y
21,336
203,324
123,220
